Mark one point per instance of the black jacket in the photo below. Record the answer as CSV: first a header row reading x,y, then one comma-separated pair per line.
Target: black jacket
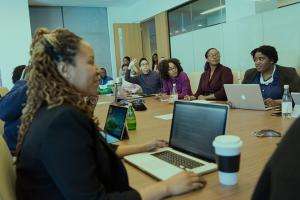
x,y
63,158
287,76
281,176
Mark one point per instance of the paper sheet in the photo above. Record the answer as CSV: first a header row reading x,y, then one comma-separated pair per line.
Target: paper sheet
x,y
165,117
201,101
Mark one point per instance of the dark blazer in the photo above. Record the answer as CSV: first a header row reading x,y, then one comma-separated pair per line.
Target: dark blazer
x,y
281,177
222,75
287,76
63,158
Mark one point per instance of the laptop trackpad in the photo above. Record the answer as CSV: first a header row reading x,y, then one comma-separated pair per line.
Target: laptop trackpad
x,y
158,168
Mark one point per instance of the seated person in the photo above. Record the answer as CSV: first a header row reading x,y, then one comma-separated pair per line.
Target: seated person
x,y
270,76
172,72
280,177
215,75
154,62
103,76
126,60
17,73
60,152
123,70
11,106
148,80
129,88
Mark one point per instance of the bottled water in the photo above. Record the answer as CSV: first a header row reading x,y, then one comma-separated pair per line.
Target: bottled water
x,y
174,94
287,103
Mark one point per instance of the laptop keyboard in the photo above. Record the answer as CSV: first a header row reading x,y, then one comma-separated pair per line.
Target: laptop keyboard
x,y
177,160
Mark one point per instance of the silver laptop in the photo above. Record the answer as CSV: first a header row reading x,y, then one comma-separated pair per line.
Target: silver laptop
x,y
245,96
194,127
296,98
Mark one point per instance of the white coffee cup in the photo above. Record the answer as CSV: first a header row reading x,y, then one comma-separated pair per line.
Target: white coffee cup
x,y
227,149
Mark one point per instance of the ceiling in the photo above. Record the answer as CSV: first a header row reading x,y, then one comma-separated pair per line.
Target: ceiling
x,y
82,3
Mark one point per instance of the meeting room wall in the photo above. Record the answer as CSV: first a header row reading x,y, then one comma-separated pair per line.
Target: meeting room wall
x,y
236,39
89,23
15,37
136,13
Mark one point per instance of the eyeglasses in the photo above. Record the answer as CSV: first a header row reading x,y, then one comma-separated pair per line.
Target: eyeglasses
x,y
213,55
172,69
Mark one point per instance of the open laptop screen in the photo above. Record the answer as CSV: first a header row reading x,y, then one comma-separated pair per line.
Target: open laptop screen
x,y
115,121
195,126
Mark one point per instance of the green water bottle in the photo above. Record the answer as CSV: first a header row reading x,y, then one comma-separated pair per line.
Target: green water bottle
x,y
131,119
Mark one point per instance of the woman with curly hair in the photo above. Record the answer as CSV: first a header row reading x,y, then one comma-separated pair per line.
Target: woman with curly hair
x,y
60,154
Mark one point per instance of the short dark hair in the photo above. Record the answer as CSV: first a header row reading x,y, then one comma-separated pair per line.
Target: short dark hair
x,y
208,50
165,69
268,51
127,58
142,60
103,68
17,73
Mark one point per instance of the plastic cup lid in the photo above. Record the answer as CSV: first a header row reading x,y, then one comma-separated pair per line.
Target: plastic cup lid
x,y
227,141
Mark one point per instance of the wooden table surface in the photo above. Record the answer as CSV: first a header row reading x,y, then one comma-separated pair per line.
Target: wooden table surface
x,y
254,154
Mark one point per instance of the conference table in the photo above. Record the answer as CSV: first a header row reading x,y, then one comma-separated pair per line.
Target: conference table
x,y
254,154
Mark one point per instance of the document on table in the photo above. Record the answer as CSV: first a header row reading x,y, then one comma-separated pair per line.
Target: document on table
x,y
165,117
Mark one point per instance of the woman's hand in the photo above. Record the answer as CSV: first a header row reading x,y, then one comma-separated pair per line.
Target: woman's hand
x,y
184,182
189,98
272,103
153,145
132,64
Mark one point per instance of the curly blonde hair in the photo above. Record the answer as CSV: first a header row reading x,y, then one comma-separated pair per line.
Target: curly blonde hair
x,y
46,85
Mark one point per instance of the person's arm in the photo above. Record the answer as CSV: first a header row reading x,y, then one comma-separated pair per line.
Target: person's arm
x,y
165,89
185,88
294,81
199,90
130,79
68,156
124,150
12,103
226,78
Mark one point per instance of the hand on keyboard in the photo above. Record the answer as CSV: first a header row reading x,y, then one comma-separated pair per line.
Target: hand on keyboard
x,y
184,182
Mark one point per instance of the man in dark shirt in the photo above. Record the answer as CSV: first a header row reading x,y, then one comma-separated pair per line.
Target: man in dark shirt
x,y
281,176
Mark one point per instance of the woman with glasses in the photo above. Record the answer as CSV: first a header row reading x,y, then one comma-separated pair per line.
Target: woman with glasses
x,y
171,73
148,80
215,75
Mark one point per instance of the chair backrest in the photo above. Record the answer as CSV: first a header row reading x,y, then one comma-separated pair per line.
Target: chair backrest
x,y
194,80
1,128
3,91
7,173
238,76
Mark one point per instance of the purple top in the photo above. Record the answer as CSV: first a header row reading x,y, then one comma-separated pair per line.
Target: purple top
x,y
183,85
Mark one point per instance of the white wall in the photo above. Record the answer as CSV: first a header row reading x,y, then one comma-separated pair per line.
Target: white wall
x,y
15,37
140,11
235,40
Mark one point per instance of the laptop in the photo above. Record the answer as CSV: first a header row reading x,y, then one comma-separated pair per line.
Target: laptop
x,y
194,127
245,96
115,128
296,99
